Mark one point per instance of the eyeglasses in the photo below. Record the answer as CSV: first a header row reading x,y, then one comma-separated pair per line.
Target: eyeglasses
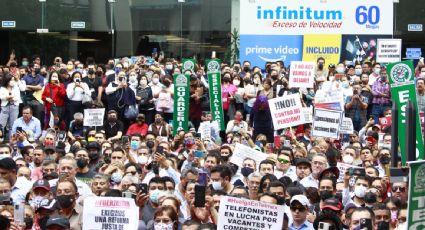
x,y
283,161
401,189
300,209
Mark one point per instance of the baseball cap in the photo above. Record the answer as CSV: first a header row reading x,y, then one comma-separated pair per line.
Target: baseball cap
x,y
47,204
59,221
333,204
44,184
93,145
112,111
330,172
303,161
49,147
349,206
300,199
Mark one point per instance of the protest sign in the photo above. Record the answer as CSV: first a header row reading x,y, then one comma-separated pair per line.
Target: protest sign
x,y
301,74
385,122
346,126
416,196
401,76
286,111
326,123
388,50
94,117
308,114
333,100
110,213
214,82
181,103
343,167
242,151
237,213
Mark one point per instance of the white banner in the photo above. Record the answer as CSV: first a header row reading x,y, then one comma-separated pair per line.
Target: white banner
x,y
308,114
110,213
294,17
343,167
346,126
286,111
94,117
388,50
301,74
242,152
236,213
326,123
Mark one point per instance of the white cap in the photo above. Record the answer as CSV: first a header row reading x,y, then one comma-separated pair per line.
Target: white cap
x,y
300,198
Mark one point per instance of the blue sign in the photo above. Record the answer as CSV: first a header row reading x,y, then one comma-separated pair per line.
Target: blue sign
x,y
259,49
8,24
413,53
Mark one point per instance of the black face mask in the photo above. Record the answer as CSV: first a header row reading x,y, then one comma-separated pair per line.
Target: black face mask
x,y
50,176
383,225
150,144
37,70
99,73
370,198
324,195
246,69
287,202
385,160
65,201
91,71
320,66
226,79
339,196
274,77
281,200
82,163
94,156
28,222
246,171
225,158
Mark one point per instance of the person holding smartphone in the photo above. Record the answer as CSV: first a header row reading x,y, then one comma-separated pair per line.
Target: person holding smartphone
x,y
10,97
75,91
54,99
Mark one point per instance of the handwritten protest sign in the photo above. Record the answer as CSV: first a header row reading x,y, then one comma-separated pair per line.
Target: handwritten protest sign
x,y
346,126
242,151
286,111
308,114
93,117
236,213
326,123
110,213
301,74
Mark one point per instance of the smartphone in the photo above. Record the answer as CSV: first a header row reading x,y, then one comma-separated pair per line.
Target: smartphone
x,y
77,80
128,195
202,178
124,140
143,188
324,226
61,136
199,154
120,78
155,168
199,196
19,129
287,143
357,172
365,223
19,213
160,149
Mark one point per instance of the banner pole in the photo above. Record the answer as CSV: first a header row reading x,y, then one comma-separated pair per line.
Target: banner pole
x,y
394,135
410,131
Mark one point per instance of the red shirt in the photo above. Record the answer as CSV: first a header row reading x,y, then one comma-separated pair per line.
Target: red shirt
x,y
136,128
58,94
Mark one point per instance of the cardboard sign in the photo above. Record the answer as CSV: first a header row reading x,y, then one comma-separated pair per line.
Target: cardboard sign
x,y
110,213
242,152
236,213
308,114
286,111
326,123
346,126
94,117
301,74
388,50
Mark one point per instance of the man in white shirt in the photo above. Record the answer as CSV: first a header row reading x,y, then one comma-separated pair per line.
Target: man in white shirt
x,y
20,186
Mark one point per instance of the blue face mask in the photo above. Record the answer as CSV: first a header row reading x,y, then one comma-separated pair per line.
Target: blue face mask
x,y
134,145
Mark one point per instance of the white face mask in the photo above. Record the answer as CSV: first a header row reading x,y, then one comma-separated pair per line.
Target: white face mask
x,y
217,185
360,191
143,82
422,74
142,159
348,159
377,70
340,70
162,226
155,80
358,72
331,78
236,82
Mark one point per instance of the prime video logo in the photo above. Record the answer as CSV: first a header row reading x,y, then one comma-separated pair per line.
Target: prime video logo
x,y
282,12
283,51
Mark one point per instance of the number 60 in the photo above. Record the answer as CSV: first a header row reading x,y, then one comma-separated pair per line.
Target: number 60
x,y
371,15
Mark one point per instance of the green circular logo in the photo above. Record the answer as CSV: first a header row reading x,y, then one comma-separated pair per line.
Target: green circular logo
x,y
401,73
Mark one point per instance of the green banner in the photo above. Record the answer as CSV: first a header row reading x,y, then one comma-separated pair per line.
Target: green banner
x,y
214,82
188,64
416,196
401,76
181,103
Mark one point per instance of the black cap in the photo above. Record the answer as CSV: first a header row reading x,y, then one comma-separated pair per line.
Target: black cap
x,y
93,145
44,184
303,161
49,147
59,221
332,172
112,111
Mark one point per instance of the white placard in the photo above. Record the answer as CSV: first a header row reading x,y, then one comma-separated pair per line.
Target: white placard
x,y
94,117
110,213
332,100
308,114
388,50
343,167
286,111
326,123
236,213
301,74
242,152
294,17
346,126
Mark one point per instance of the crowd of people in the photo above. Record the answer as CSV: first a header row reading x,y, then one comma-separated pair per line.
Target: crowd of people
x,y
51,161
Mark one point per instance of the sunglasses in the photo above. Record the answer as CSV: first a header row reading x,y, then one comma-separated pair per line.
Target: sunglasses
x,y
283,161
401,189
300,209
